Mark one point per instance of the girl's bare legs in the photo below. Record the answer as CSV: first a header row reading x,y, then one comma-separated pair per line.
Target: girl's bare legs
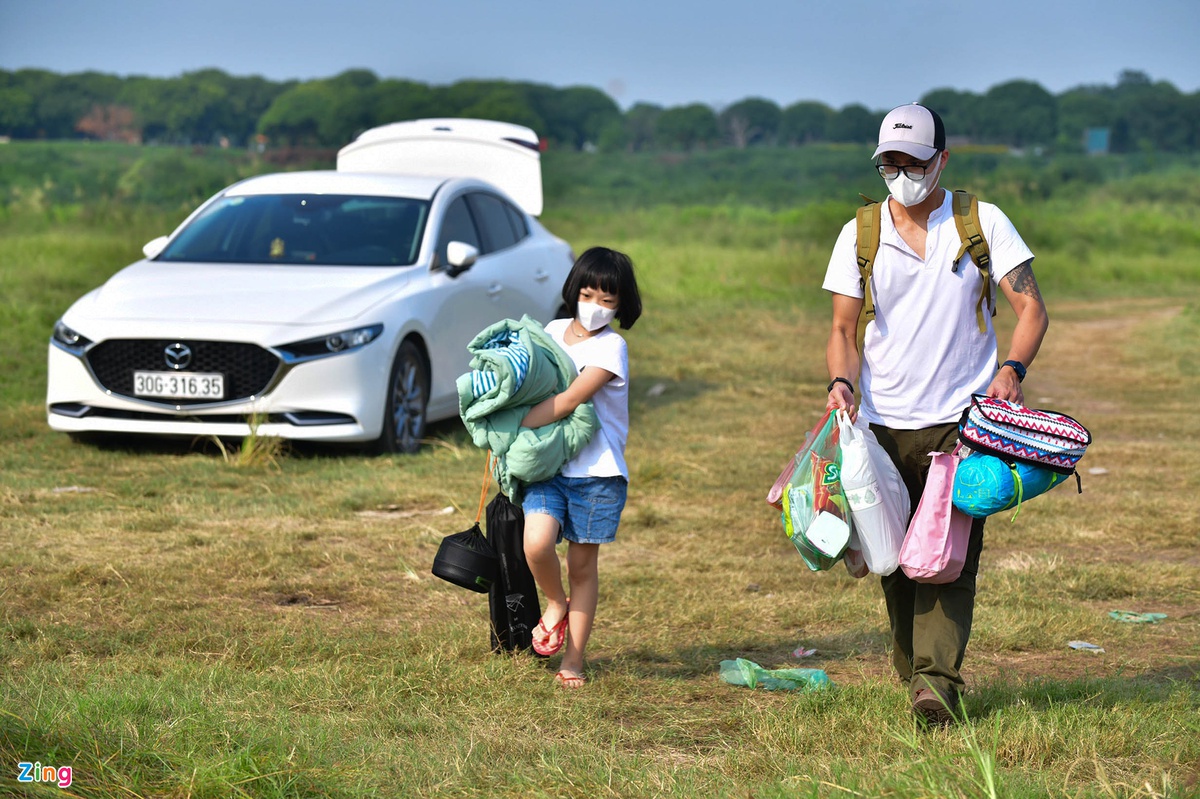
x,y
583,575
541,533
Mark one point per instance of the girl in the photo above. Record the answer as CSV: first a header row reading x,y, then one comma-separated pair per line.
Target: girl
x,y
583,502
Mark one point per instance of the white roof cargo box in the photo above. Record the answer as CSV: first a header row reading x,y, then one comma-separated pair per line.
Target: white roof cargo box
x,y
500,153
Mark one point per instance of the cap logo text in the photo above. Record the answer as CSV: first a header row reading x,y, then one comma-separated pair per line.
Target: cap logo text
x,y
901,125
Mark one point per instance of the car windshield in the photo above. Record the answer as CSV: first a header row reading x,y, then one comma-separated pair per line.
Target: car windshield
x,y
309,229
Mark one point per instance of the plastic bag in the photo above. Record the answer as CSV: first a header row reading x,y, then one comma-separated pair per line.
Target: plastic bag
x,y
878,498
984,484
815,513
853,559
750,674
935,546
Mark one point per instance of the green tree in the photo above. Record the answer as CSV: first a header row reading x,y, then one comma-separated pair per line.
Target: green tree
x,y
1079,109
296,115
855,124
507,104
60,101
641,124
576,115
16,112
1151,115
350,111
959,112
235,104
1019,113
750,121
401,100
805,122
503,101
687,126
197,108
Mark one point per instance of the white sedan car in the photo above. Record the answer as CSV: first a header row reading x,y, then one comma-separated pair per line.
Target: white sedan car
x,y
324,306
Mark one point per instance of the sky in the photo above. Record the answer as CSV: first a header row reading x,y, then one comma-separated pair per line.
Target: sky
x,y
667,52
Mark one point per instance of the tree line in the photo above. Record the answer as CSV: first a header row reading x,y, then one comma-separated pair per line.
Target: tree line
x,y
211,107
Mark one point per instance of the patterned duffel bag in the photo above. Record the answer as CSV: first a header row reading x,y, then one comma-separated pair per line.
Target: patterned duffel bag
x,y
1017,434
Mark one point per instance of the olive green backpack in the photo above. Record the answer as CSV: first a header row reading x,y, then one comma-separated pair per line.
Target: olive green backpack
x,y
970,233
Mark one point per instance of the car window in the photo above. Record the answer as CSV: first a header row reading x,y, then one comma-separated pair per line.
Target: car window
x,y
325,230
498,233
519,225
457,225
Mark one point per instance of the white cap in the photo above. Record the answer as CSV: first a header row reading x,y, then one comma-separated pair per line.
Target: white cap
x,y
912,129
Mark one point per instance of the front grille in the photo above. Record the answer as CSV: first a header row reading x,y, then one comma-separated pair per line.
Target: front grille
x,y
248,368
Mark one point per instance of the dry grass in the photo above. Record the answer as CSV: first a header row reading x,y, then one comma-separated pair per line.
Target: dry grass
x,y
177,623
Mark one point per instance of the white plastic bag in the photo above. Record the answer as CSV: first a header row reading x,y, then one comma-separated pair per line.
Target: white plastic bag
x,y
878,498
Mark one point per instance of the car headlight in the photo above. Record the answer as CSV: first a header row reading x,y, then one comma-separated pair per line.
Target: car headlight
x,y
333,344
67,339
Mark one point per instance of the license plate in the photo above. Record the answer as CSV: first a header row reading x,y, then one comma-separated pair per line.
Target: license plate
x,y
179,385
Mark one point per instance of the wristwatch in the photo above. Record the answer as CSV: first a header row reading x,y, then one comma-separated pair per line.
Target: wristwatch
x,y
1017,367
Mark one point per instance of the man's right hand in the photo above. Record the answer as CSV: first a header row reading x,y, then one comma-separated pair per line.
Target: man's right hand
x,y
841,398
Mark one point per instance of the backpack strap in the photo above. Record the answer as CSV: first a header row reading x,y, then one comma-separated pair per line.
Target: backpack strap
x,y
868,244
970,233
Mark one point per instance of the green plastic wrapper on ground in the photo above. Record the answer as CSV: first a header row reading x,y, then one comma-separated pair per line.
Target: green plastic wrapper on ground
x,y
751,675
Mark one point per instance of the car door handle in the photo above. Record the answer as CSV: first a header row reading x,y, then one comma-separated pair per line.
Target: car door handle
x,y
494,289
541,275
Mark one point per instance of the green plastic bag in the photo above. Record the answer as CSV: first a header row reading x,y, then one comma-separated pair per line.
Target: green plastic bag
x,y
813,492
750,674
1132,617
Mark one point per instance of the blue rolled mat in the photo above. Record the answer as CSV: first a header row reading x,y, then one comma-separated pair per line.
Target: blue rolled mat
x,y
984,484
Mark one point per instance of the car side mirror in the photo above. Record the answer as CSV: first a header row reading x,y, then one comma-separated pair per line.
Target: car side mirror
x,y
153,248
460,256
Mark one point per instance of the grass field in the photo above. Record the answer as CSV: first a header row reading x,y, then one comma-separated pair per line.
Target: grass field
x,y
176,621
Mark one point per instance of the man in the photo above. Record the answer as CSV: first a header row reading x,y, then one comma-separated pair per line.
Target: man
x,y
923,357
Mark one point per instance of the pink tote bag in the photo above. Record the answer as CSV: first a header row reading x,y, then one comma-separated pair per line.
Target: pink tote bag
x,y
935,546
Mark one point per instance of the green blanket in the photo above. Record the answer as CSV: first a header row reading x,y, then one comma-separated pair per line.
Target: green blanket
x,y
515,365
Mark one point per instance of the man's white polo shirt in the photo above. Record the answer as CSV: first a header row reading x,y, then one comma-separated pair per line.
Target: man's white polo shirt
x,y
924,354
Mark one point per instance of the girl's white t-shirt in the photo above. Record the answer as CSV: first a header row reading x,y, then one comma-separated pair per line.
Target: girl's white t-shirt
x,y
923,353
604,455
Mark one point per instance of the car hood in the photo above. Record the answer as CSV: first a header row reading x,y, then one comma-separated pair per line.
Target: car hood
x,y
255,294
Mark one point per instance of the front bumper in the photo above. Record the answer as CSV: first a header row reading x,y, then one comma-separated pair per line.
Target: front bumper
x,y
340,398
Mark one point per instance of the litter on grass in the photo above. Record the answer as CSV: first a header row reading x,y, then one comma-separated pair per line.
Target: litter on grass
x,y
1131,617
751,675
802,652
1085,646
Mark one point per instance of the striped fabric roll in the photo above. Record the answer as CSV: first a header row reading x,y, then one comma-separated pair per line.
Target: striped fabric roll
x,y
508,345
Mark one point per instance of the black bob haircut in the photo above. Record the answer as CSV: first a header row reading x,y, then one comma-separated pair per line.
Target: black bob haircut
x,y
611,272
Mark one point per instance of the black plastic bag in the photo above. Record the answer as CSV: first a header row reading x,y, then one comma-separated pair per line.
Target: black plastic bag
x,y
513,598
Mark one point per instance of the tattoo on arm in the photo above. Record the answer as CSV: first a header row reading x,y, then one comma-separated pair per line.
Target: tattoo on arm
x,y
1022,281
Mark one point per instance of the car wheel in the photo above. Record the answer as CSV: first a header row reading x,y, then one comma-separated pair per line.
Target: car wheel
x,y
404,416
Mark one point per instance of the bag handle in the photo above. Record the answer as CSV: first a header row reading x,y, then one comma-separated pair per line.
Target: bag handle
x,y
487,479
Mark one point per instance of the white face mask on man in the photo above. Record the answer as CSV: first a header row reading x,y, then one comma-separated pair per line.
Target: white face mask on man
x,y
593,316
909,192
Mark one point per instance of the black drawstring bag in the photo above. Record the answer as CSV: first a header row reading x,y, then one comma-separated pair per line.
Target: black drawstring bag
x,y
467,559
513,600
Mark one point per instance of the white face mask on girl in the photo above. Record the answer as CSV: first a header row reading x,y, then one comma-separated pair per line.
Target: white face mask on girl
x,y
909,192
593,316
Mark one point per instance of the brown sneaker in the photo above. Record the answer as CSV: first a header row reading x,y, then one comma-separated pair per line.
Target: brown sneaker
x,y
931,709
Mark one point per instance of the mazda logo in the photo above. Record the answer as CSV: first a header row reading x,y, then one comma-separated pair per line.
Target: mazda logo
x,y
178,356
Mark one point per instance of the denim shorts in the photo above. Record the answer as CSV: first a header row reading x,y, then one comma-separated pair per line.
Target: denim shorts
x,y
587,509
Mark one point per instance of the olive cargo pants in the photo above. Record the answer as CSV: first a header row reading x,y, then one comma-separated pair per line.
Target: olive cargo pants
x,y
930,623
